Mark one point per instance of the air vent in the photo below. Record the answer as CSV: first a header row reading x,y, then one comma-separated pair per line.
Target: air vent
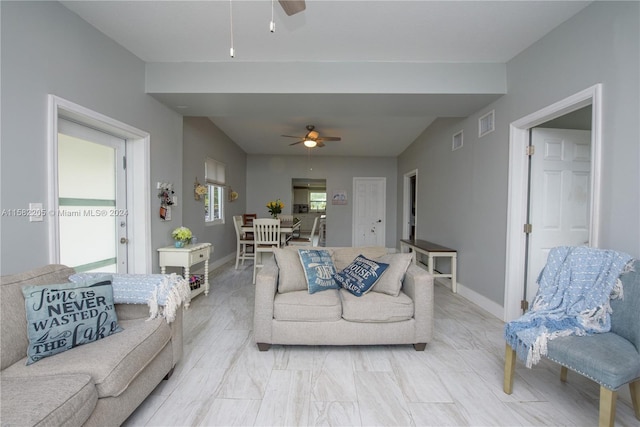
x,y
486,124
457,141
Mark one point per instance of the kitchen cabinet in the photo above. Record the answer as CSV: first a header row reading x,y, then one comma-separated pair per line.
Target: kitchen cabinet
x,y
300,196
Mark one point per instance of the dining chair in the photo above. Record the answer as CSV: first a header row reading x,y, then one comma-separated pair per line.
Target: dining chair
x,y
285,218
243,242
305,241
266,235
285,221
247,221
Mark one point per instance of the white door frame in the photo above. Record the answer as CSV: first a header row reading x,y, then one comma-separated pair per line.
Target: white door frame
x,y
517,189
406,209
137,148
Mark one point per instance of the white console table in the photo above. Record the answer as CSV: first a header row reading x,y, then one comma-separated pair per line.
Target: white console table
x,y
186,257
433,251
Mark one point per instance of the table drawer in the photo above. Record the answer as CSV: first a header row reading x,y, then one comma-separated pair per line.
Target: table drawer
x,y
199,255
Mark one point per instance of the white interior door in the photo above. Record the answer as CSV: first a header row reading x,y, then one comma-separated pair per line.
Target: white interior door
x,y
92,211
369,225
560,195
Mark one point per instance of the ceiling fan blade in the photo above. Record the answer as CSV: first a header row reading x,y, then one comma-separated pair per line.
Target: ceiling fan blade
x,y
329,138
292,136
296,143
320,143
291,7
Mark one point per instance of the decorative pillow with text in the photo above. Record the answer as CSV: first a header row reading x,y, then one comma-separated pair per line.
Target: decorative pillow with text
x,y
360,276
318,269
60,317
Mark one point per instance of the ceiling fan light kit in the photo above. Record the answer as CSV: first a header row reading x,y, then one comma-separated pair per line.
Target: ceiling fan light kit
x,y
312,139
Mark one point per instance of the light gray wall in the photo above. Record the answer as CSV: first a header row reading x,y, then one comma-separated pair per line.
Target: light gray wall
x,y
463,194
269,178
203,139
577,120
46,49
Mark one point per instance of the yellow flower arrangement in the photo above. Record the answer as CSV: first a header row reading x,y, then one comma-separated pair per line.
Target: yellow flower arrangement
x,y
275,207
182,234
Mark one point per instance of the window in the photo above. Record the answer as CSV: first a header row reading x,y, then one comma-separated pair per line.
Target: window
x,y
214,173
317,201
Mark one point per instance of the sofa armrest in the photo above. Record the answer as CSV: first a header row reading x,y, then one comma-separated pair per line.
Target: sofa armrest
x,y
418,285
176,336
266,289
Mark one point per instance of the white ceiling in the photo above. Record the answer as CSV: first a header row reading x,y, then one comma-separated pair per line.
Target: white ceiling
x,y
327,31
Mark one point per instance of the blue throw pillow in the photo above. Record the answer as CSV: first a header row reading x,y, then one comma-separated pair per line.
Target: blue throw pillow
x,y
318,269
60,317
360,276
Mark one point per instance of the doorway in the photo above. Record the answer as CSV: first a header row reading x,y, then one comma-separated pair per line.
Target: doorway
x,y
92,202
559,194
138,191
369,223
517,207
409,210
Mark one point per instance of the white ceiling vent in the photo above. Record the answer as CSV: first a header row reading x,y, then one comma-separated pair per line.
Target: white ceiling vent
x,y
457,141
486,124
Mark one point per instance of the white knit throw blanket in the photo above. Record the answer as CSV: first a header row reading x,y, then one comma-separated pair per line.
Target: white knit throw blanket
x,y
161,292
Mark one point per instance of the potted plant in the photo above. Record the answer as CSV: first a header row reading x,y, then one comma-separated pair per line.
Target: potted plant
x,y
182,236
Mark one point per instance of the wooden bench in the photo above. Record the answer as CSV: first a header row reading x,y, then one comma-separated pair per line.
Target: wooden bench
x,y
433,250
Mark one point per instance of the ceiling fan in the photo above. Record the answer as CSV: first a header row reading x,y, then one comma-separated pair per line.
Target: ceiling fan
x,y
291,7
312,138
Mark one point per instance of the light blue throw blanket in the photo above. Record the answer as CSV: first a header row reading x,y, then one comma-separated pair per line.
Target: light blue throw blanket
x,y
162,292
575,288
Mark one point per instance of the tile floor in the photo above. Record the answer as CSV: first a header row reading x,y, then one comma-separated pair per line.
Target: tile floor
x,y
223,380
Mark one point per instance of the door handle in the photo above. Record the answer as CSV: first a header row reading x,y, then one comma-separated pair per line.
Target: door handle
x,y
124,240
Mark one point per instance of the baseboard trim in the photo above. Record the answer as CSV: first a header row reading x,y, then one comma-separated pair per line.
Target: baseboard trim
x,y
216,264
481,301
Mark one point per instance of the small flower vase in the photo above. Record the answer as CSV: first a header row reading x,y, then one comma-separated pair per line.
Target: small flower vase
x,y
274,215
179,244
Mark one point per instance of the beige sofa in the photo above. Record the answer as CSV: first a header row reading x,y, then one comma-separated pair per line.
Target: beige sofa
x,y
100,383
286,313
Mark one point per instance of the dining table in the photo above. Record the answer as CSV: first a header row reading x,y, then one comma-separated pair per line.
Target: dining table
x,y
286,230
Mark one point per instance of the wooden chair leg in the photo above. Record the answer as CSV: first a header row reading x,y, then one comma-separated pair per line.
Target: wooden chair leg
x,y
634,388
509,369
563,373
607,407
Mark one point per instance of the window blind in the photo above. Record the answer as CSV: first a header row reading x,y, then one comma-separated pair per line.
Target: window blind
x,y
215,172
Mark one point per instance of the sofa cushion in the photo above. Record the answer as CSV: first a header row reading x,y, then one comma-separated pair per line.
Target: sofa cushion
x,y
360,276
301,306
391,281
344,256
112,362
63,316
318,269
376,307
290,272
54,400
